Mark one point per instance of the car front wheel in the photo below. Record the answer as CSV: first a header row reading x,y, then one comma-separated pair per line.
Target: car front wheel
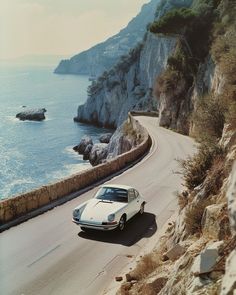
x,y
122,222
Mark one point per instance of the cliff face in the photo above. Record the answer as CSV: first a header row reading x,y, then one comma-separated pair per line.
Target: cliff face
x,y
103,56
125,89
197,253
129,84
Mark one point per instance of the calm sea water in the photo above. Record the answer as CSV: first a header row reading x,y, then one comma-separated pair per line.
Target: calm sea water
x,y
37,153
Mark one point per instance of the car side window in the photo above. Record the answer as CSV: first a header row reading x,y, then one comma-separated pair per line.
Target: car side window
x,y
132,195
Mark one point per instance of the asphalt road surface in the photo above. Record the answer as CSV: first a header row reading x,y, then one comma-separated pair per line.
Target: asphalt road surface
x,y
49,254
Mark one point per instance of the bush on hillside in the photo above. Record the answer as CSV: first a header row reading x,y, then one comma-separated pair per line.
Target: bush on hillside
x,y
193,25
167,81
194,214
195,169
173,22
209,117
215,176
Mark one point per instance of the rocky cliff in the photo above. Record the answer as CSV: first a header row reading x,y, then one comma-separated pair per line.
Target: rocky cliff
x,y
197,253
103,56
129,84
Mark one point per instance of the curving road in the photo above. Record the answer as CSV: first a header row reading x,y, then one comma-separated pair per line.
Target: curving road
x,y
50,255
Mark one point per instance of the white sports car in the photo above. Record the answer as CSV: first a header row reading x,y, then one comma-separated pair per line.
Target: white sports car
x,y
112,207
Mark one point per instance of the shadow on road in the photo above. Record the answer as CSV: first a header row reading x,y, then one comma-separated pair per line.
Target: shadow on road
x,y
136,228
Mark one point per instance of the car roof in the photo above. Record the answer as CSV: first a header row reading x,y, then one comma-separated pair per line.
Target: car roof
x,y
126,187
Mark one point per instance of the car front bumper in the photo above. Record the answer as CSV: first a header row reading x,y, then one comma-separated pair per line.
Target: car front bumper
x,y
96,225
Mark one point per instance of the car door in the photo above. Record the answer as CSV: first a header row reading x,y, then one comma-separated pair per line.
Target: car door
x,y
132,203
138,200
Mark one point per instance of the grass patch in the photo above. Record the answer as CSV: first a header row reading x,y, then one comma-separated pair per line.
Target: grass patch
x,y
182,200
146,266
209,117
195,168
215,176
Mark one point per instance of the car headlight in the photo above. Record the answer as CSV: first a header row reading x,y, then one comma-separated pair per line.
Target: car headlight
x,y
77,212
111,217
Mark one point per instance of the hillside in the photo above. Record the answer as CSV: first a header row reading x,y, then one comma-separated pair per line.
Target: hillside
x,y
185,67
103,56
196,92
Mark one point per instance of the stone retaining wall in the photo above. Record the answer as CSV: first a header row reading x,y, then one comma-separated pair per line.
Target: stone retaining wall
x,y
18,206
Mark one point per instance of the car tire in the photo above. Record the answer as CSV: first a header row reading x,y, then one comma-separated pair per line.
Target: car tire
x,y
141,211
122,223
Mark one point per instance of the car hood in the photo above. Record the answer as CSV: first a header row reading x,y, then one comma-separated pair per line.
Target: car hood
x,y
98,210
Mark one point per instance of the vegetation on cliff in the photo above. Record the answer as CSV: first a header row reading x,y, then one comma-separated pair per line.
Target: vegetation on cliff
x,y
122,66
204,31
193,27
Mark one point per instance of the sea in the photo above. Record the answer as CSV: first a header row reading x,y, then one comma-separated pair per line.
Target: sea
x,y
33,154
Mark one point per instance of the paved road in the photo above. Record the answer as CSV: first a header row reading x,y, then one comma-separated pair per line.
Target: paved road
x,y
50,255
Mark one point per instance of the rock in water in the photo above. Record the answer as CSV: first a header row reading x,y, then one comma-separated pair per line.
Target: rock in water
x,y
105,138
98,153
87,151
32,115
81,147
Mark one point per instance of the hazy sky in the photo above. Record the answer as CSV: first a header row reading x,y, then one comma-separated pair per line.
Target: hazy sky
x,y
60,26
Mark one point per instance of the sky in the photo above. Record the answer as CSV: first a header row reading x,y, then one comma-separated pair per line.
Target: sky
x,y
60,27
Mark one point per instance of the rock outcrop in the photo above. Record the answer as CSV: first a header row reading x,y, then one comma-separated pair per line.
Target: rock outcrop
x,y
84,143
32,115
103,56
207,259
129,135
175,108
105,138
98,154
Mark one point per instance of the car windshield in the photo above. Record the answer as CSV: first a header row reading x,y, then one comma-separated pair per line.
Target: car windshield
x,y
112,194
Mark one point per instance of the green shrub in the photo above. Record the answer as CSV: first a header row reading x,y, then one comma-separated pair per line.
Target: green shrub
x,y
173,22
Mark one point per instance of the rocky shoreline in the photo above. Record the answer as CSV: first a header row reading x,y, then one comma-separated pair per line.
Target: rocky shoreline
x,y
126,137
95,153
27,205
